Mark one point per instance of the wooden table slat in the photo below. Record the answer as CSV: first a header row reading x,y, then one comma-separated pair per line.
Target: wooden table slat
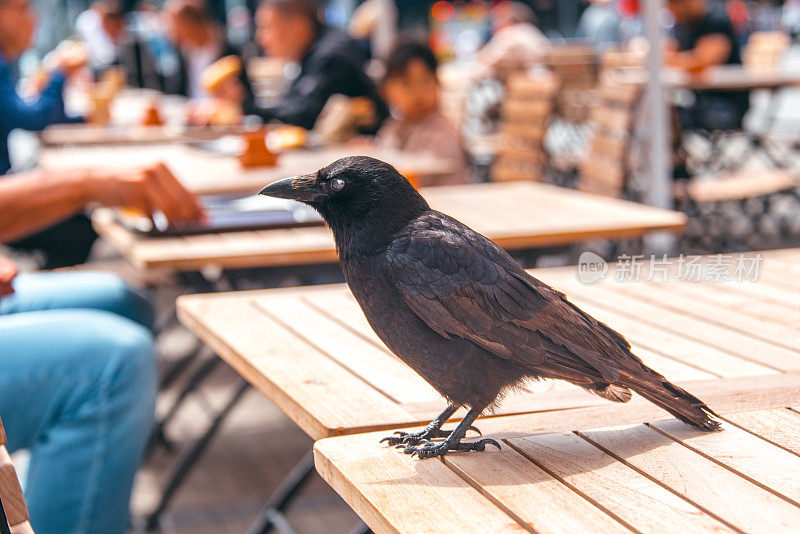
x,y
291,372
634,498
397,506
532,496
778,426
376,366
743,345
700,480
734,319
748,455
670,343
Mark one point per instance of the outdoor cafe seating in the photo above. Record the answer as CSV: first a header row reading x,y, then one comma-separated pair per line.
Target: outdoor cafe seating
x,y
272,391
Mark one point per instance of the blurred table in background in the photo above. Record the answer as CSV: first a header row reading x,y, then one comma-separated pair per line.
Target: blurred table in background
x,y
733,78
127,112
519,215
128,107
72,135
205,171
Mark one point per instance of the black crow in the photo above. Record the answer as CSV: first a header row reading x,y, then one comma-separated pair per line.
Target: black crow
x,y
460,311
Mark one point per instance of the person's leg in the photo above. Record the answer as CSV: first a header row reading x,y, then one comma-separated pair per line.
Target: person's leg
x,y
77,388
77,290
64,244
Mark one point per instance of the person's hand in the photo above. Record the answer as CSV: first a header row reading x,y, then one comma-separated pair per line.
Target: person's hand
x,y
72,59
8,271
199,113
148,190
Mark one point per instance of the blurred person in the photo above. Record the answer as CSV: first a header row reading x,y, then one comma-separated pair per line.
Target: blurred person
x,y
765,15
375,21
790,17
102,30
631,25
704,38
77,368
412,91
599,25
149,29
223,107
69,241
200,42
17,27
516,42
330,62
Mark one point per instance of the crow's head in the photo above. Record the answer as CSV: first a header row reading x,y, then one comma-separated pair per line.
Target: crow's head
x,y
361,198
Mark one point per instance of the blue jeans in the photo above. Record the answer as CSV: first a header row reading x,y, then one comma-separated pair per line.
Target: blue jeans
x,y
77,388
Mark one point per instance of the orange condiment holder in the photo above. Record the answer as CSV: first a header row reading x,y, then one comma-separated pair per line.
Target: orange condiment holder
x,y
256,153
152,115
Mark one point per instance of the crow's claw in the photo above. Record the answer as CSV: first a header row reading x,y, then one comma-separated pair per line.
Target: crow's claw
x,y
475,430
432,450
401,439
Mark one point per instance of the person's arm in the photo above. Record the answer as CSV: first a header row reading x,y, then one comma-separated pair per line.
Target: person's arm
x,y
37,199
47,109
710,50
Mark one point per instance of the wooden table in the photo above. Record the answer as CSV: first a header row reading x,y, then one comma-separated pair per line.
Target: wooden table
x,y
311,351
515,215
576,477
127,111
600,468
206,172
733,78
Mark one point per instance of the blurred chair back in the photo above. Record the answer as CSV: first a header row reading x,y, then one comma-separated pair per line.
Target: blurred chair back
x,y
765,50
575,66
526,111
604,168
455,83
616,58
11,493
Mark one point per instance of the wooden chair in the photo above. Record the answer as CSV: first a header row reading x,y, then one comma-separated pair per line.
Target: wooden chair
x,y
525,114
13,503
616,58
575,66
604,167
732,211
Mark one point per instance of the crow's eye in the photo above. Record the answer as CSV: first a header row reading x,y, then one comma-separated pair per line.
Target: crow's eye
x,y
337,184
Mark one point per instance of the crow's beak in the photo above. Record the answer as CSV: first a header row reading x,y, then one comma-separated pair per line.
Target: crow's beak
x,y
303,188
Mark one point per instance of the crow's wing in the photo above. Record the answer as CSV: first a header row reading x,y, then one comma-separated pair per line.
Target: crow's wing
x,y
461,284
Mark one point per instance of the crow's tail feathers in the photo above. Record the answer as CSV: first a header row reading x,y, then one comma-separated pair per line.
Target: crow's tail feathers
x,y
677,401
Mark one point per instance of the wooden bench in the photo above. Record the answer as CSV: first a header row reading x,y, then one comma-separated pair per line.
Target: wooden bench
x,y
526,111
13,501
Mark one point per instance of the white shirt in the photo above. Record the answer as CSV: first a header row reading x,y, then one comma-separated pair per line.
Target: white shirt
x,y
197,61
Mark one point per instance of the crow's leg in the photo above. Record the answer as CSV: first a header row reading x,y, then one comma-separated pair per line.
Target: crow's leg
x,y
432,431
453,441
